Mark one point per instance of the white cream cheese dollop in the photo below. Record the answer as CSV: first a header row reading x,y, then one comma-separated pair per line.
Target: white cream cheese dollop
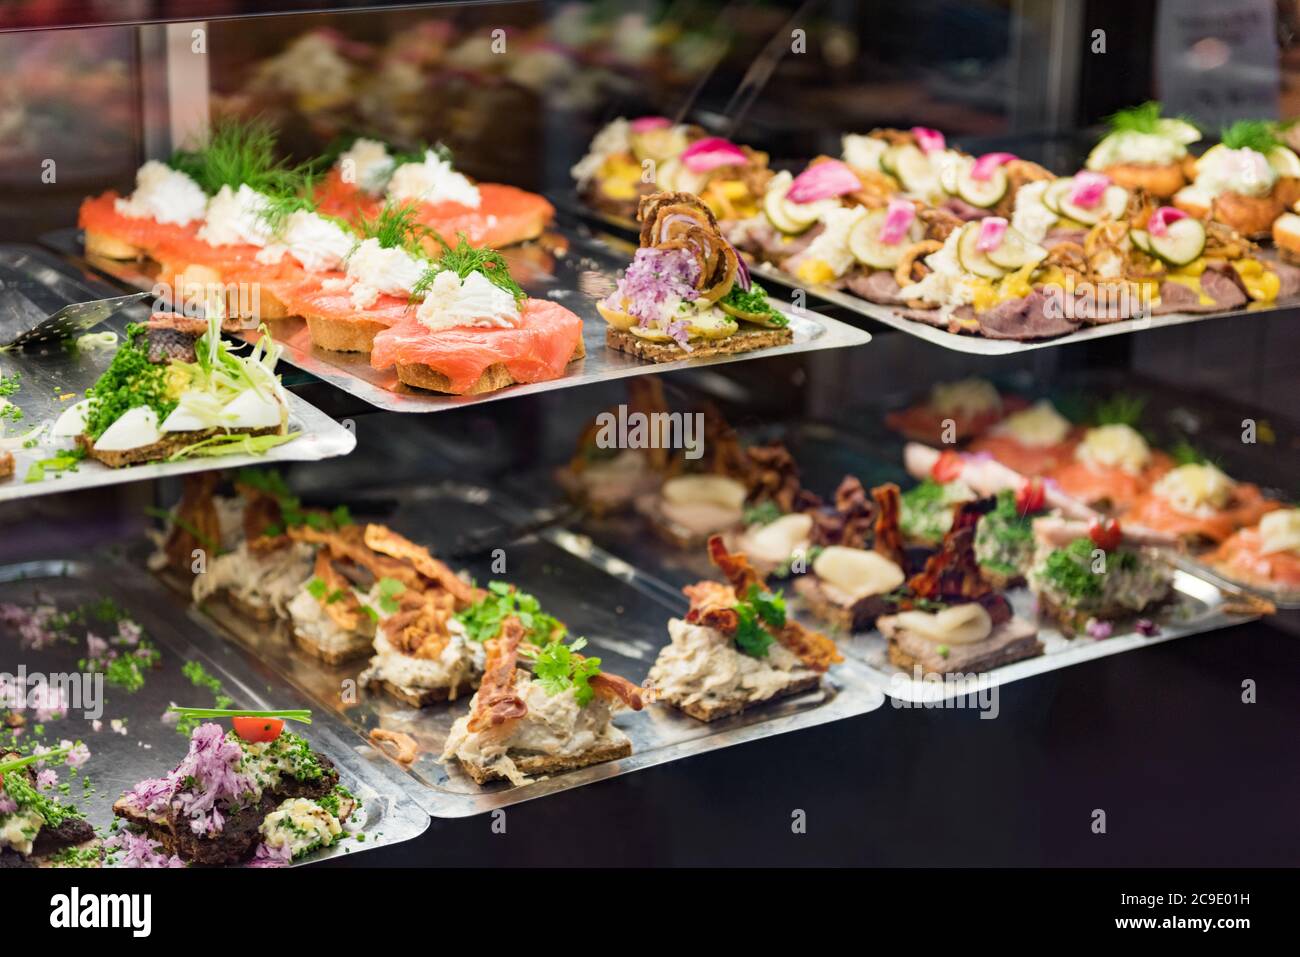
x,y
367,164
1243,171
1114,447
473,301
1038,426
165,195
432,181
1195,489
1280,532
237,216
319,244
377,269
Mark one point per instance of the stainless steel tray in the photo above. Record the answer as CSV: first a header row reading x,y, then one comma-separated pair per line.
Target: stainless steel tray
x,y
150,748
574,279
621,612
979,345
53,377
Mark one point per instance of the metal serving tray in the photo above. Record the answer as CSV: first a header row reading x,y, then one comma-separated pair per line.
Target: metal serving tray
x,y
977,345
582,270
623,615
54,376
150,748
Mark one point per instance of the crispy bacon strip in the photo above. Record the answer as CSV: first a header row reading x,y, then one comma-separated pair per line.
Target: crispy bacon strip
x,y
888,537
811,647
344,611
496,702
735,567
262,511
952,572
419,626
610,686
385,541
196,511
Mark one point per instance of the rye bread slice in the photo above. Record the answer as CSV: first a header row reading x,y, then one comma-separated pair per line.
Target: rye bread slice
x,y
494,377
421,697
713,711
331,656
745,340
248,610
160,450
1014,640
551,763
859,616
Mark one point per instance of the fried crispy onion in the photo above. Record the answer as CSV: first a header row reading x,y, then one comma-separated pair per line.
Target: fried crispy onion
x,y
672,220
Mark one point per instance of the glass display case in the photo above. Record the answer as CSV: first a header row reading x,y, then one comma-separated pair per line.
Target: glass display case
x,y
751,350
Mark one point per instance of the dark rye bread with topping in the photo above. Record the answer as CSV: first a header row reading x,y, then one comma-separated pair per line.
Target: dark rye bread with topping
x,y
239,835
159,451
861,615
550,763
743,340
72,831
716,710
1010,641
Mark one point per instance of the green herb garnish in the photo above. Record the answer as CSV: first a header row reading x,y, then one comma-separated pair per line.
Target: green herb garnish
x,y
1143,118
240,152
558,669
483,619
757,609
389,591
1257,135
464,259
301,715
129,381
1070,570
755,303
396,226
1119,409
763,514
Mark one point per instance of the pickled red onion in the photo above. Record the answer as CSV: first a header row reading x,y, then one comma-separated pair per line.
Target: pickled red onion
x,y
1088,188
898,219
929,140
1159,222
743,279
708,154
986,164
825,180
646,123
992,229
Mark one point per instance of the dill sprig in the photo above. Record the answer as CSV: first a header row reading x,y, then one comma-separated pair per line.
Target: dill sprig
x,y
1119,409
1255,135
280,206
416,155
1144,118
463,259
396,227
240,152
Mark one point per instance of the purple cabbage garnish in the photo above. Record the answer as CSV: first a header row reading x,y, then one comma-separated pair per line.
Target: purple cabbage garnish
x,y
654,278
1147,628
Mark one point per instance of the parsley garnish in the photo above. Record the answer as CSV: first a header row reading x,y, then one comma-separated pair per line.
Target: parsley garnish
x,y
1070,570
758,608
130,380
754,302
389,590
483,619
558,669
764,514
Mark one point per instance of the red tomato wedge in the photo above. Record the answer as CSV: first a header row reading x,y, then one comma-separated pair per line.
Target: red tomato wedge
x,y
257,729
947,467
536,351
1105,533
1031,496
1248,506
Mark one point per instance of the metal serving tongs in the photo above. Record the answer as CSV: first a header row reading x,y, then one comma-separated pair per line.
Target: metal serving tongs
x,y
31,312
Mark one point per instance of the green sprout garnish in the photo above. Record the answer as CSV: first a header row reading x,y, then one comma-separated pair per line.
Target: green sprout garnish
x,y
1254,135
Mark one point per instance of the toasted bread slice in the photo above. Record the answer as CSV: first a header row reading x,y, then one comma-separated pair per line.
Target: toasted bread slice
x,y
332,656
160,450
1014,640
745,340
422,697
494,377
248,610
110,247
859,616
6,465
354,334
713,711
255,303
531,764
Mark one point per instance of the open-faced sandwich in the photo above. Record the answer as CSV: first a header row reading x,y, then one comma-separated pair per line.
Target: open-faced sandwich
x,y
475,330
1089,575
606,479
1146,151
687,294
858,559
1246,181
954,411
36,829
1110,468
1033,441
203,521
736,648
949,619
176,389
556,717
1197,504
1265,555
1066,208
368,175
258,793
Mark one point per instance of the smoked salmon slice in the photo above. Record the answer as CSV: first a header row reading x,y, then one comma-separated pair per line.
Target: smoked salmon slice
x,y
1117,487
505,215
536,351
99,214
1030,460
1248,506
1240,558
